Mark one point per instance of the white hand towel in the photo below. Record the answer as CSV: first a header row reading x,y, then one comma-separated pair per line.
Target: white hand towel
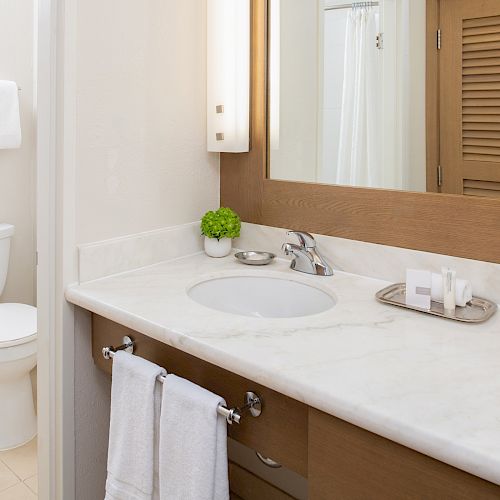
x,y
134,427
463,290
10,120
193,443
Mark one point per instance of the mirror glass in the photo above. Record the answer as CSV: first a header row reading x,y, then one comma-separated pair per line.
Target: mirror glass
x,y
347,95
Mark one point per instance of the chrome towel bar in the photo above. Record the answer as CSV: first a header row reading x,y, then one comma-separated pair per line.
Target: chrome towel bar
x,y
253,403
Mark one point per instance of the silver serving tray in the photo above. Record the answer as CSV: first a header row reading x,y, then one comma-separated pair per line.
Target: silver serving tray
x,y
476,311
252,258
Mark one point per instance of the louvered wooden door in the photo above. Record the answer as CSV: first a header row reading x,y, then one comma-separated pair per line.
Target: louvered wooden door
x,y
470,97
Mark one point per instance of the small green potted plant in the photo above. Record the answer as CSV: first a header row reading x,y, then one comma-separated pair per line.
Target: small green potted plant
x,y
219,229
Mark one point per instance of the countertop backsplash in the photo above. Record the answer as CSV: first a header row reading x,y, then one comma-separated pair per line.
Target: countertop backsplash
x,y
106,258
378,261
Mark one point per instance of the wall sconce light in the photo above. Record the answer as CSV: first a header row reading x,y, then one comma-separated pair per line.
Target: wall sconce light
x,y
228,76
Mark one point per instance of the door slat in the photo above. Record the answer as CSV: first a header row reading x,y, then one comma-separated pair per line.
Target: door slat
x,y
480,134
481,21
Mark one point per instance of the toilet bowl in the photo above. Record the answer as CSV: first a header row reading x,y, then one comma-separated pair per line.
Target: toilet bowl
x,y
18,348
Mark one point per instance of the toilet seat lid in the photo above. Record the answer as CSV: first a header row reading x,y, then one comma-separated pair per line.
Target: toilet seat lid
x,y
17,324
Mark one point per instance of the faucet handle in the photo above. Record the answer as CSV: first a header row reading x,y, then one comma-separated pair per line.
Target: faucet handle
x,y
306,240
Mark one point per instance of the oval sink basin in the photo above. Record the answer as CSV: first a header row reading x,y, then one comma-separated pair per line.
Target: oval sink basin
x,y
261,297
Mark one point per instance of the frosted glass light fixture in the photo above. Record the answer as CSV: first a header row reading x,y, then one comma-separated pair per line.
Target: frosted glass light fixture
x,y
228,76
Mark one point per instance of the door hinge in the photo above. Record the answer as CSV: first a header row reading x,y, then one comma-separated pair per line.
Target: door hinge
x,y
439,39
440,176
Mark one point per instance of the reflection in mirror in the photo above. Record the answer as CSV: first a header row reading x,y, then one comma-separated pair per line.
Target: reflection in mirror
x,y
347,92
348,95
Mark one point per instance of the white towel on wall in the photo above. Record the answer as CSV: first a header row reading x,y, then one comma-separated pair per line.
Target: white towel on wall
x,y
134,427
10,120
193,443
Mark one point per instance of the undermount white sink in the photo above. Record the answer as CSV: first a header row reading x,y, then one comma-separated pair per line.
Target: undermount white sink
x,y
261,296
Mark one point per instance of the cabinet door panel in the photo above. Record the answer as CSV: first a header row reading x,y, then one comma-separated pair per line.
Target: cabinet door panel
x,y
349,463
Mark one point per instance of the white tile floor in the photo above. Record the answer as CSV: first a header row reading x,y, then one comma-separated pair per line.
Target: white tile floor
x,y
18,473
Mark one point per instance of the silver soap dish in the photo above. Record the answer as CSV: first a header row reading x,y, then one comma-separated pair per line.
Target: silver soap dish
x,y
252,258
476,311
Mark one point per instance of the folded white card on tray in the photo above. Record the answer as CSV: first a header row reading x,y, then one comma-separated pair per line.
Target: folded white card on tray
x,y
418,288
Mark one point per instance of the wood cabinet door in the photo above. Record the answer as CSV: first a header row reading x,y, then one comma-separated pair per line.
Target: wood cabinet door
x,y
350,463
470,97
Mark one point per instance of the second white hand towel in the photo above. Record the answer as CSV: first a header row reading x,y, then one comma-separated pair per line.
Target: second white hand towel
x,y
10,120
193,443
133,431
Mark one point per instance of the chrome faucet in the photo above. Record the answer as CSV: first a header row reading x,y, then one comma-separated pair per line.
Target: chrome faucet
x,y
306,258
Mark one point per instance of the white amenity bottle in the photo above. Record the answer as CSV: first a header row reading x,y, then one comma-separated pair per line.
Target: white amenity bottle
x,y
449,291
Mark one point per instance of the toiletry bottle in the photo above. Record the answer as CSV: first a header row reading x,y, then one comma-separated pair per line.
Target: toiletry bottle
x,y
449,286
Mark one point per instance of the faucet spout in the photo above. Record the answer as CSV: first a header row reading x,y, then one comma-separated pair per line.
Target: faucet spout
x,y
291,249
307,259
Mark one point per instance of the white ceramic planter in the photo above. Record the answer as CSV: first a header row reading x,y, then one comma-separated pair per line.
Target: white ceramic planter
x,y
218,248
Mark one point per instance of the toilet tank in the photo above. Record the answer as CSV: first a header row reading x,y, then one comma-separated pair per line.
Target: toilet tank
x,y
6,232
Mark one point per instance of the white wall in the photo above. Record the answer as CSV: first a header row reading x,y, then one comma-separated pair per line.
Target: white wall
x,y
17,166
92,410
416,103
134,159
296,158
334,56
140,132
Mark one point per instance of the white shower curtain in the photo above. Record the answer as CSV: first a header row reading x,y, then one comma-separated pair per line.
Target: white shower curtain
x,y
360,147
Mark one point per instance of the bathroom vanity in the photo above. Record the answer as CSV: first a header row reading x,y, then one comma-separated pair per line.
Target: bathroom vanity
x,y
340,460
363,400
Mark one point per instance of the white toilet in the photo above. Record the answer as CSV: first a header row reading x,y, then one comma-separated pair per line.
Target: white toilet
x,y
18,348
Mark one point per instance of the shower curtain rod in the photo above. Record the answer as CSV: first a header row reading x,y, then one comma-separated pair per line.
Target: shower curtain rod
x,y
351,5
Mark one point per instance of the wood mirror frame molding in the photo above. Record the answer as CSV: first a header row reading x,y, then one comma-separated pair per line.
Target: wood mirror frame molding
x,y
447,224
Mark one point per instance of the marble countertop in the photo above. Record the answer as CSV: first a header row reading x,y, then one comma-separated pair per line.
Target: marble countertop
x,y
427,383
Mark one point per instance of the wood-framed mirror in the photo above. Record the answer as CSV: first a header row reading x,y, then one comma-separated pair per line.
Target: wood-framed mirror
x,y
453,224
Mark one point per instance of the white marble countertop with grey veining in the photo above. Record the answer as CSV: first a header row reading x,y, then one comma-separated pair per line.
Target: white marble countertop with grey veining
x,y
427,383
